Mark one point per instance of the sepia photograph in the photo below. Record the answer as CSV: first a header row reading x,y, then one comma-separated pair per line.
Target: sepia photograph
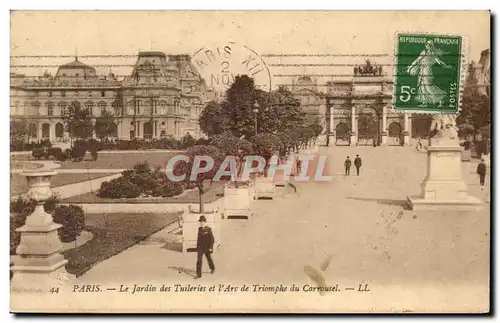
x,y
250,161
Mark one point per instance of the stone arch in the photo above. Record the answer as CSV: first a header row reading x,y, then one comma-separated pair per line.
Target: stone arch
x,y
59,130
114,130
45,130
33,130
342,133
148,130
368,125
395,133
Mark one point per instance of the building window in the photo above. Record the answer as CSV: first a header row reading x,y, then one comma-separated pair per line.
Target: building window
x,y
103,93
116,108
63,93
102,107
88,107
63,108
36,108
50,108
137,107
155,106
50,93
89,94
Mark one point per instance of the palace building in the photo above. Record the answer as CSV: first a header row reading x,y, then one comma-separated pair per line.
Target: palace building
x,y
163,96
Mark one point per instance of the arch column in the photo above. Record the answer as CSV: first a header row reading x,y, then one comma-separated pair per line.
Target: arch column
x,y
354,139
39,130
52,132
384,126
406,133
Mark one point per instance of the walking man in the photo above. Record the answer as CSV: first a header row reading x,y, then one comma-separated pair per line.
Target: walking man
x,y
347,165
481,171
204,246
357,163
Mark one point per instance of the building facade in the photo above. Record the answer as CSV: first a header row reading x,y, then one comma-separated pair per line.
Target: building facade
x,y
163,96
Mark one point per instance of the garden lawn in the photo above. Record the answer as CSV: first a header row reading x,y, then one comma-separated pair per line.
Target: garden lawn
x,y
125,160
18,183
112,234
188,196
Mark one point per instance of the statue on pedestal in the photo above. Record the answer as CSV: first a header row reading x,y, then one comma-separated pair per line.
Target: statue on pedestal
x,y
443,130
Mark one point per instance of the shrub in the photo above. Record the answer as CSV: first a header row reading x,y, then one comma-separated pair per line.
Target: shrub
x,y
54,151
63,156
170,188
93,145
142,167
72,220
78,153
94,154
20,209
39,153
119,188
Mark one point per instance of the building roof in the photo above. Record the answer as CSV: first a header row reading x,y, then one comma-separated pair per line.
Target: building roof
x,y
76,64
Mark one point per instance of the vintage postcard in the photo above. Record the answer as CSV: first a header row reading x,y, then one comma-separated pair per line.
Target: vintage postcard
x,y
250,161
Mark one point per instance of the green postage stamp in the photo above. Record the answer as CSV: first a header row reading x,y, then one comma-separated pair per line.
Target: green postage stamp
x,y
429,73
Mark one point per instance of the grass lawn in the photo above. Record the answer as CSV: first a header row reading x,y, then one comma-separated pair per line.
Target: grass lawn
x,y
113,233
18,184
112,160
190,196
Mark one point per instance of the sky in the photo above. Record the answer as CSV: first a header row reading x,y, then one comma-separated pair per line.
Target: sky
x,y
344,38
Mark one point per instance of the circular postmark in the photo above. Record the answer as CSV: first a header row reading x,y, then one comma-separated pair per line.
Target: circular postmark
x,y
220,63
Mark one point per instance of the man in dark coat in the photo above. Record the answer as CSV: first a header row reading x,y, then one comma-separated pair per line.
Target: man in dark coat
x,y
481,171
204,246
357,163
347,165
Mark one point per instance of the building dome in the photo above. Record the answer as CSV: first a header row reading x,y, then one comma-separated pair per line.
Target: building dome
x,y
76,69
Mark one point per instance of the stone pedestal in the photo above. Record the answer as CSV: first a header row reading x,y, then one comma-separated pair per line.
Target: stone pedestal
x,y
383,138
38,265
353,141
443,189
406,138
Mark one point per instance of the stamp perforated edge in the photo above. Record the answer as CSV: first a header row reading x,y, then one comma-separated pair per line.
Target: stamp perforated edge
x,y
464,58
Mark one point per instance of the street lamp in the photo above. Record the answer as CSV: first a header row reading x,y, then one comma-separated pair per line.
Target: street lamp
x,y
255,111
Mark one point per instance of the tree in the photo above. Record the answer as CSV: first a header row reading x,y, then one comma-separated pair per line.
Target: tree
x,y
233,146
266,145
276,111
213,119
475,116
18,130
78,122
183,168
105,125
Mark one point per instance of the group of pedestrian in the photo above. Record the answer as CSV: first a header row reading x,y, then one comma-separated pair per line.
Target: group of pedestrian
x,y
347,165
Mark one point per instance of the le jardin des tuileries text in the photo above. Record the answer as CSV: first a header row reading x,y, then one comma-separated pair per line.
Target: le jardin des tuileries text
x,y
218,288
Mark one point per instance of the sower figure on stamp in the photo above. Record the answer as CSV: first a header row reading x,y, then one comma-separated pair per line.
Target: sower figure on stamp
x,y
204,246
357,163
347,165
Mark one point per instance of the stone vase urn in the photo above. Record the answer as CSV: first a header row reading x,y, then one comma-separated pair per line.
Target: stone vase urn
x,y
39,265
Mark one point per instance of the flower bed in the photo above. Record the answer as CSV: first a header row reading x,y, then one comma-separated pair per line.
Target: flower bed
x,y
112,234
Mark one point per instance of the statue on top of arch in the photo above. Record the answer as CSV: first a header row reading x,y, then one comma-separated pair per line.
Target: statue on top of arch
x,y
368,69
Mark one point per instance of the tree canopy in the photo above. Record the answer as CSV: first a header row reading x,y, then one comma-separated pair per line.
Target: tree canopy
x,y
244,104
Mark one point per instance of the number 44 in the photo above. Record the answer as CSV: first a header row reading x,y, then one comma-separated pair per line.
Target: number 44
x,y
406,92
